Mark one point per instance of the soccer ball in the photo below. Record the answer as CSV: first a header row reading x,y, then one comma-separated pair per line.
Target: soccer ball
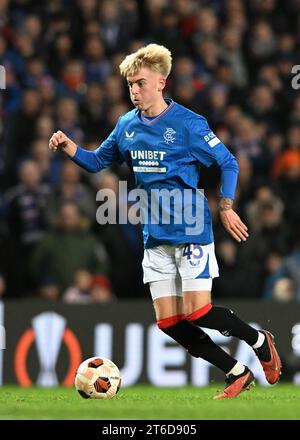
x,y
97,378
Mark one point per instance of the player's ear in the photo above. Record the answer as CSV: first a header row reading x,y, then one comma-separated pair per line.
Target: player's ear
x,y
161,84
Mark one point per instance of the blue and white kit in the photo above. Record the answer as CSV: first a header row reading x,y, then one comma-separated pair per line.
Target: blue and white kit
x,y
165,152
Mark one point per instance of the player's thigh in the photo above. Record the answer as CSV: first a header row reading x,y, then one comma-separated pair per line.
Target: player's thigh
x,y
167,297
198,266
160,272
195,300
159,264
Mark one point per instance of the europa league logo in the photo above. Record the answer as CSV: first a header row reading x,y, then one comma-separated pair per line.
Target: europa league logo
x,y
48,332
49,328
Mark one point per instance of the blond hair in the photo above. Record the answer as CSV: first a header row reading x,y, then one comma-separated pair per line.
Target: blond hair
x,y
155,57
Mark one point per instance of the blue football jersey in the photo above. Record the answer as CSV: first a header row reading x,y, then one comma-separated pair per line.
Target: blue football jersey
x,y
164,153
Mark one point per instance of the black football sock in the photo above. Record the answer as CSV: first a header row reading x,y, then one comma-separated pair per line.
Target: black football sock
x,y
199,344
224,320
263,352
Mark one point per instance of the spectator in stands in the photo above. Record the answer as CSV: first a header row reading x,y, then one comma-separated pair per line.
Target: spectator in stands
x,y
93,113
114,90
247,139
231,52
68,118
254,211
262,43
26,205
49,169
262,105
72,80
48,289
101,289
97,66
44,127
71,189
60,51
118,22
287,172
234,274
70,246
88,288
21,127
217,101
272,234
284,284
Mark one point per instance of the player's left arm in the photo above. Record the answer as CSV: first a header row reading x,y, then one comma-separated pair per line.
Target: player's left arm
x,y
231,220
208,149
229,175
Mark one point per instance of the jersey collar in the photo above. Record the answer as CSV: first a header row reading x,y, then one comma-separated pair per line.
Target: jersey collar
x,y
170,103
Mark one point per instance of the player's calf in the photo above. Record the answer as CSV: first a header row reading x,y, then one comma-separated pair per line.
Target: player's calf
x,y
196,342
225,321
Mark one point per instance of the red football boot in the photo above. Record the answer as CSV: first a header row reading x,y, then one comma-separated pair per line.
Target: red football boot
x,y
272,368
237,384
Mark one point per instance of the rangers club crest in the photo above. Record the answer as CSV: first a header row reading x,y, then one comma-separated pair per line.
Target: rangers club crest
x,y
169,136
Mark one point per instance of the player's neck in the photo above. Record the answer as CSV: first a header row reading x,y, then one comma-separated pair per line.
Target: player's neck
x,y
156,108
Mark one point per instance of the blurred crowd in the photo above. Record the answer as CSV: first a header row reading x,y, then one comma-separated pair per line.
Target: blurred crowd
x,y
232,62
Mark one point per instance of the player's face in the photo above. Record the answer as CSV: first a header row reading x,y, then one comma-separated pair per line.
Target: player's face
x,y
145,88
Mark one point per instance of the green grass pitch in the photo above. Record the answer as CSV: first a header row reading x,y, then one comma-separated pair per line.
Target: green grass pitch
x,y
281,402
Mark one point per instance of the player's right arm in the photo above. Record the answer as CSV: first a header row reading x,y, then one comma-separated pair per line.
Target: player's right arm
x,y
92,161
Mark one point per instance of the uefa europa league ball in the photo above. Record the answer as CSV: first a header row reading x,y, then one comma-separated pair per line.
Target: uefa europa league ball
x,y
97,378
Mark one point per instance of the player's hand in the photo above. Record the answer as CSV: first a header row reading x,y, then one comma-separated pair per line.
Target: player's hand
x,y
234,225
60,140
